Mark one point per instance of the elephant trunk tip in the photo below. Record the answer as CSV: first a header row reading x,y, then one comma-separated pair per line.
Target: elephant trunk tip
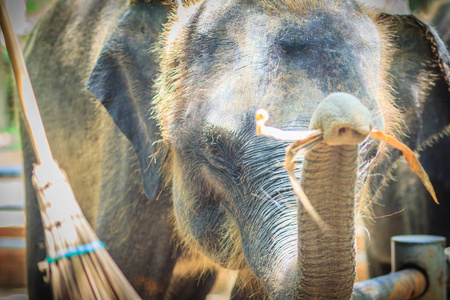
x,y
343,119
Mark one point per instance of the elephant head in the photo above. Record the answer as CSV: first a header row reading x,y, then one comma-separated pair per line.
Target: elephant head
x,y
220,61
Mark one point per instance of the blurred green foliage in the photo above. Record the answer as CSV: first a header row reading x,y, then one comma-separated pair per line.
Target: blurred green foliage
x,y
8,117
34,6
8,94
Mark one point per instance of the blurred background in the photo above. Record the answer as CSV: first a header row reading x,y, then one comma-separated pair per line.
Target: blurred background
x,y
24,15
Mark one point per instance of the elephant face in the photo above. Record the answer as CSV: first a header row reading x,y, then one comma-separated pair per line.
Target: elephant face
x,y
233,204
231,193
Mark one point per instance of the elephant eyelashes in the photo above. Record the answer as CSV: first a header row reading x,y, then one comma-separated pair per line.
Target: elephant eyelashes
x,y
219,153
214,152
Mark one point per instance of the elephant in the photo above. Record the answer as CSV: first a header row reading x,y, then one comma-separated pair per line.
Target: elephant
x,y
161,148
404,206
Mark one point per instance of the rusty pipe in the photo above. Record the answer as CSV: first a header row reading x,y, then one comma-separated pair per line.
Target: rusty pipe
x,y
405,284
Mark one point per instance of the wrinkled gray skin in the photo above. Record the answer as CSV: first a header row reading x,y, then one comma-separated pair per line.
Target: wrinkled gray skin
x,y
215,192
404,205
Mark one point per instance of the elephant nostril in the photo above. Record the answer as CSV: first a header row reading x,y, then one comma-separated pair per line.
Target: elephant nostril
x,y
346,135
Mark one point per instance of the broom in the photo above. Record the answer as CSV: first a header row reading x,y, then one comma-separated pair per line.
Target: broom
x,y
77,264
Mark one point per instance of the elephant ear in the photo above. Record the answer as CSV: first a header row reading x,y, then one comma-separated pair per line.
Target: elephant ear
x,y
420,77
122,80
419,74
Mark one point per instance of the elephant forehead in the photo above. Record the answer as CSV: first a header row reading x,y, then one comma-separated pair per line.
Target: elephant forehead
x,y
238,58
235,100
282,64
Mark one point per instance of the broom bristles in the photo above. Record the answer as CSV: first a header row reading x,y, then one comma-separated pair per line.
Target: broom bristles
x,y
79,267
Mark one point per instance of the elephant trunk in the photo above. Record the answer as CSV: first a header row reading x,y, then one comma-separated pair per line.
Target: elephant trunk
x,y
284,247
326,260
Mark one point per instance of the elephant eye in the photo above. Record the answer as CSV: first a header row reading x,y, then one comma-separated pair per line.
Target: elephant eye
x,y
214,151
220,150
214,144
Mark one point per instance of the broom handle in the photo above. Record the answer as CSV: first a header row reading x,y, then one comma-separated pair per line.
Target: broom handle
x,y
27,99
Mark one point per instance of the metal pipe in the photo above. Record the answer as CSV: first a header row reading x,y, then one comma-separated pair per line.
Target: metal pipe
x,y
424,252
418,271
405,284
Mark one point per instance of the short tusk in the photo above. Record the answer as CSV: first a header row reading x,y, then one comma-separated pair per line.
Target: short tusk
x,y
262,116
301,141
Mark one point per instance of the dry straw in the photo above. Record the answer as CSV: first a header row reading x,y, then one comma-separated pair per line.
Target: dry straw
x,y
77,264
